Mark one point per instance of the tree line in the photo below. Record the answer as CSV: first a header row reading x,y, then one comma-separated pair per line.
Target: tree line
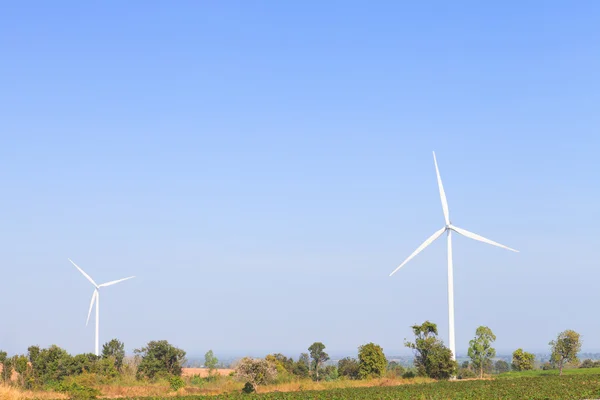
x,y
51,367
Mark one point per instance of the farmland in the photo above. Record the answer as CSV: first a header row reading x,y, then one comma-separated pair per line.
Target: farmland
x,y
574,386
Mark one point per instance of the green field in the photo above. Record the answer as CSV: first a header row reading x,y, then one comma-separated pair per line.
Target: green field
x,y
573,386
551,372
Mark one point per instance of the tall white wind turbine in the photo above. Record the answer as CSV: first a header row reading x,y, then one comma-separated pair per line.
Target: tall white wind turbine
x,y
448,228
96,298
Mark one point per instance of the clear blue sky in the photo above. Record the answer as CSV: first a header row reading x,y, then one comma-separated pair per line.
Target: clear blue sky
x,y
262,166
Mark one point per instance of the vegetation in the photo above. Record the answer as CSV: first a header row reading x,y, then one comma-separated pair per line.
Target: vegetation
x,y
210,362
565,349
548,388
348,367
115,350
160,359
432,358
156,372
481,351
318,356
522,360
501,366
255,371
371,361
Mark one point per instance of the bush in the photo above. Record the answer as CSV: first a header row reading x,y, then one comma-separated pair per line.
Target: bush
x,y
176,383
466,373
409,374
348,367
589,364
248,388
75,391
160,358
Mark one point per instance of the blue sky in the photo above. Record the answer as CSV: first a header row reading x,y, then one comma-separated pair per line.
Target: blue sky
x,y
262,166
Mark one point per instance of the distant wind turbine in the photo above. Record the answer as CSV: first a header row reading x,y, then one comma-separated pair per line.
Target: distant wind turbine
x,y
448,228
96,298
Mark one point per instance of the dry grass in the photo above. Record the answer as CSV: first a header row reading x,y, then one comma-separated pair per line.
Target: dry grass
x,y
12,393
203,372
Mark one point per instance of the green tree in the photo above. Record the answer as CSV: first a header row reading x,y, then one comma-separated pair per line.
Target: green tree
x,y
160,358
302,366
395,369
522,360
501,366
432,358
481,351
371,361
210,362
348,367
318,356
565,349
7,366
116,350
21,365
49,365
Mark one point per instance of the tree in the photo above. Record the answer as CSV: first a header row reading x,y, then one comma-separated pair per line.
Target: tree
x,y
348,367
395,368
432,358
565,349
501,366
7,366
318,356
115,349
481,351
522,360
160,358
587,363
301,367
51,364
371,361
21,365
255,371
210,362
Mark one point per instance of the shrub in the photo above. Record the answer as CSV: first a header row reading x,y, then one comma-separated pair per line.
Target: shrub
x,y
409,374
248,388
75,391
176,383
348,367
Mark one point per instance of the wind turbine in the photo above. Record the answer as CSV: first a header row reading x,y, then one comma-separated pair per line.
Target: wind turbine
x,y
448,228
96,298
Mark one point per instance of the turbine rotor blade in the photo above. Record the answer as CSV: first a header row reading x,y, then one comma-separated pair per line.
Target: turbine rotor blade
x,y
114,282
426,243
89,278
91,306
475,236
442,193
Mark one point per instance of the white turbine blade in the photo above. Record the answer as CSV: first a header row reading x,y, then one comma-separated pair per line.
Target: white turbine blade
x,y
442,193
475,236
113,282
421,247
84,274
91,306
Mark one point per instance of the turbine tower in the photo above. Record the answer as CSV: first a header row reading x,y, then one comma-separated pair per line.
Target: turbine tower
x,y
96,298
449,228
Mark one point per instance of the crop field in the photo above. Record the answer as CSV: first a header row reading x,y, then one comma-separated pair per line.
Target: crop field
x,y
574,386
551,372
